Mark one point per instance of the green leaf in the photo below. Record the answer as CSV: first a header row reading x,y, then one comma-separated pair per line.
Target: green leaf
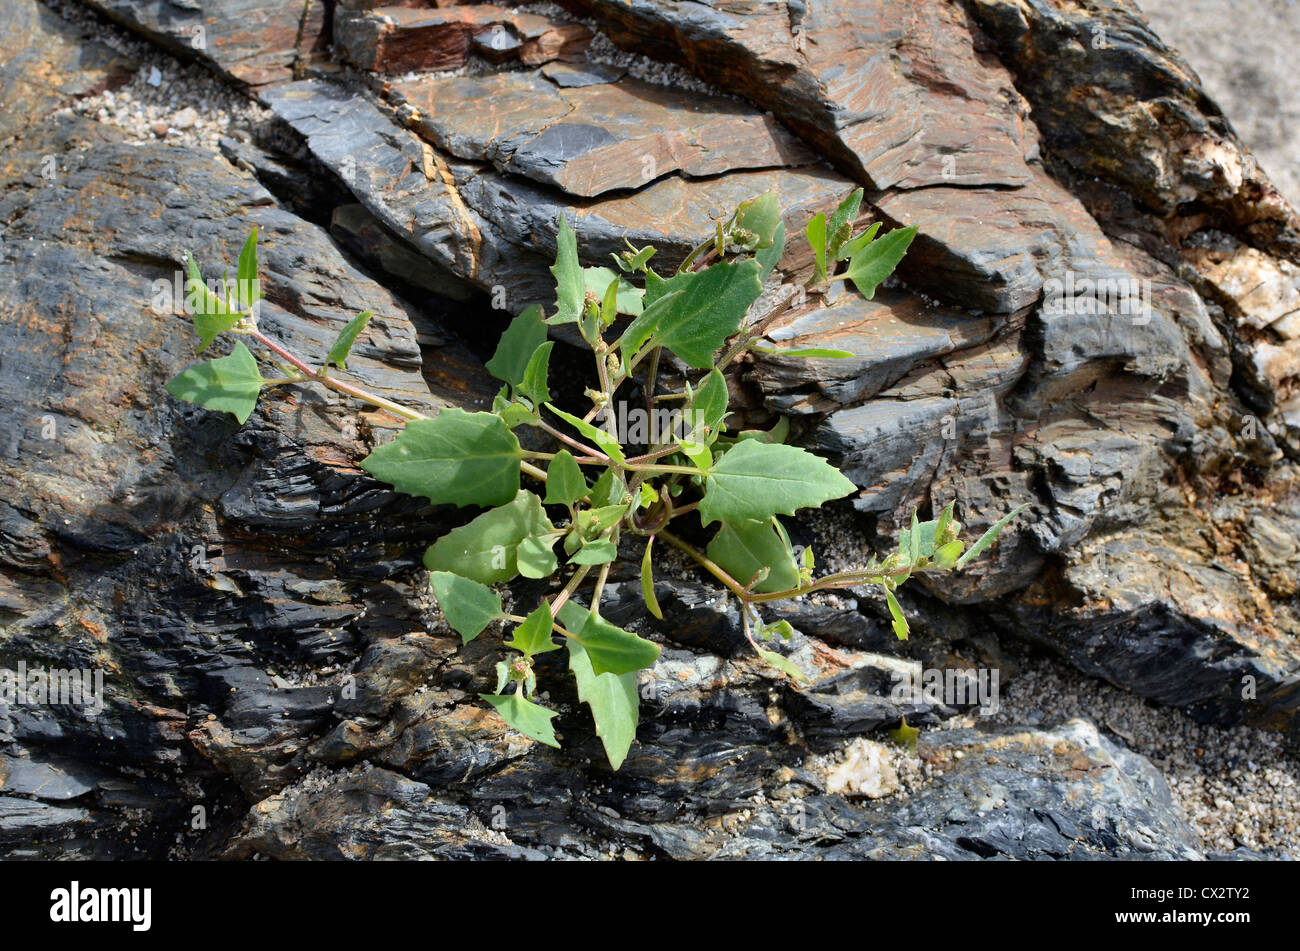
x,y
338,354
595,521
896,612
769,258
247,292
535,556
610,649
228,384
782,664
924,534
697,452
819,353
519,343
607,443
845,214
530,719
945,556
535,385
851,248
533,636
648,581
634,259
744,548
698,321
758,480
710,404
905,735
613,698
610,489
657,287
877,260
212,315
456,457
486,549
816,232
629,298
944,526
914,541
761,215
564,480
570,288
989,537
467,605
597,552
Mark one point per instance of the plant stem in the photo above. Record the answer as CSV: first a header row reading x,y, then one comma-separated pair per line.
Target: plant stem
x,y
337,385
569,588
570,441
706,563
600,588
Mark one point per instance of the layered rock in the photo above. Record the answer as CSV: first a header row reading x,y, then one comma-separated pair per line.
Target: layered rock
x,y
1096,318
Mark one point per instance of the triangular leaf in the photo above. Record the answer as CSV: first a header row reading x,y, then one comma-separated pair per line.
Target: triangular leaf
x,y
743,549
610,649
699,320
535,385
768,258
844,215
531,719
486,549
525,334
756,480
457,457
564,480
614,701
212,315
533,636
229,384
467,605
870,266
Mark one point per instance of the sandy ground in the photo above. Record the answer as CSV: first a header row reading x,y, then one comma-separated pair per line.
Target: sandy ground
x,y
1245,52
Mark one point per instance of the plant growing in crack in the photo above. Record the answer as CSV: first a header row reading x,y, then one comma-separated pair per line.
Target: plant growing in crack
x,y
601,487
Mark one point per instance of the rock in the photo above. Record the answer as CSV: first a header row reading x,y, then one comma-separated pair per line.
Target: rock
x,y
868,770
188,543
400,39
253,41
269,642
595,138
45,62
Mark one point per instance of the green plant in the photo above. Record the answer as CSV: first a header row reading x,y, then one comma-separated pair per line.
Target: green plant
x,y
736,484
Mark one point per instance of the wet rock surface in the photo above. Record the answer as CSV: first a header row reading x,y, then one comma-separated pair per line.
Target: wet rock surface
x,y
269,647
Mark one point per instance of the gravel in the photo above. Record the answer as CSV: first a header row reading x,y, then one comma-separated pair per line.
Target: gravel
x,y
179,103
1236,786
